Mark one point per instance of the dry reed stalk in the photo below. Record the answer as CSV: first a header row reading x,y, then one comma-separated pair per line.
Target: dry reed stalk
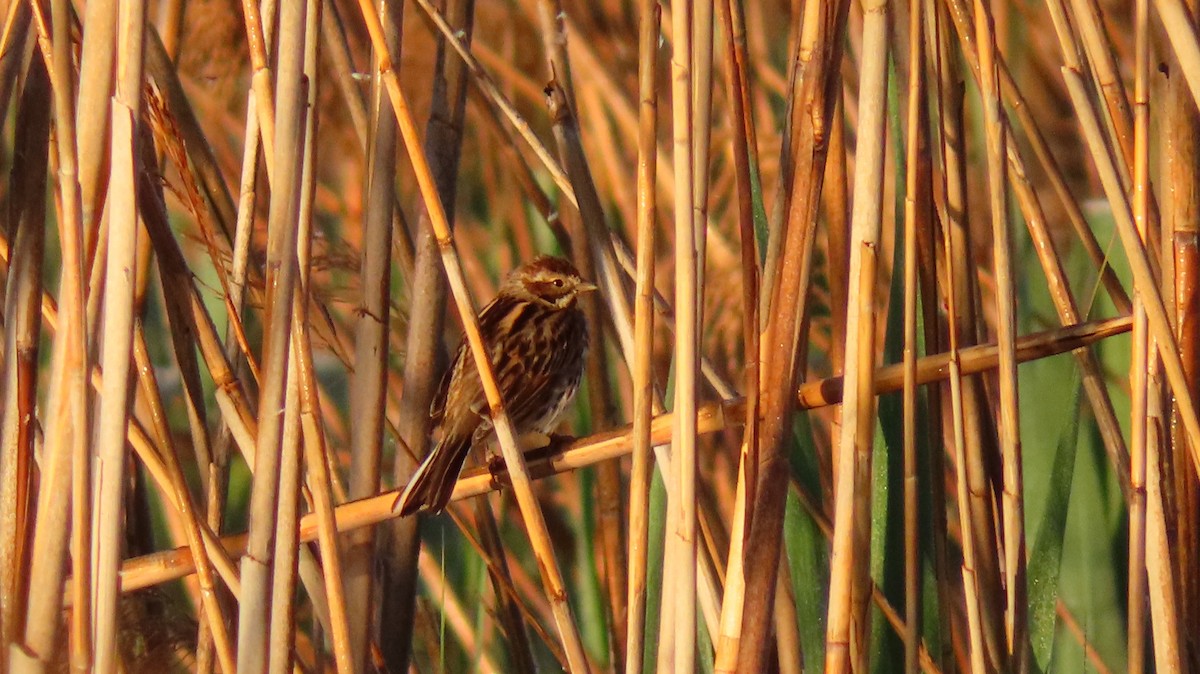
x,y
888,612
519,590
1181,251
817,53
846,636
789,650
187,311
425,360
649,18
747,478
513,458
110,460
700,69
917,214
1138,366
1013,504
98,56
22,332
149,410
169,21
1164,609
168,565
141,442
928,238
282,631
259,564
597,72
1068,313
337,52
16,40
1179,254
600,239
970,575
1054,173
371,335
170,138
181,497
185,356
341,64
282,613
500,102
263,84
1089,24
591,248
1144,284
315,452
66,442
679,570
978,433
954,189
1118,123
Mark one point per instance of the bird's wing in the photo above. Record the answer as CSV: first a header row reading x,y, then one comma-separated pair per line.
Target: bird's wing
x,y
462,378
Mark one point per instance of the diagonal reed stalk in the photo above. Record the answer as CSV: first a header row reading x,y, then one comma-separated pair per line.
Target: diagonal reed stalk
x,y
530,510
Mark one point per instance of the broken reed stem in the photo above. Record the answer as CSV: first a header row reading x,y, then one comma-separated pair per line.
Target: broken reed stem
x,y
171,564
513,458
650,16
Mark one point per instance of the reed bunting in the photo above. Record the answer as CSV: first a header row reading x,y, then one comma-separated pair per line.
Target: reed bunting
x,y
537,338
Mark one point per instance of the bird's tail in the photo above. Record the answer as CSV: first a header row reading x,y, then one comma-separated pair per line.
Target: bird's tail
x,y
432,485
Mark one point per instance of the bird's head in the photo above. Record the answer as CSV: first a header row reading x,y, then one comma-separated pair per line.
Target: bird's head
x,y
550,280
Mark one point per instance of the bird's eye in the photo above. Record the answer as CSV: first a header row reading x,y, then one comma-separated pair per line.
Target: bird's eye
x,y
558,283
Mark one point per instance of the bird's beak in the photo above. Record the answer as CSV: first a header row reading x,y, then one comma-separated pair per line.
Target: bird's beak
x,y
585,287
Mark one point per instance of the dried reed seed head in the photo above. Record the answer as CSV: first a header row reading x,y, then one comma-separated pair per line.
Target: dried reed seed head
x,y
551,281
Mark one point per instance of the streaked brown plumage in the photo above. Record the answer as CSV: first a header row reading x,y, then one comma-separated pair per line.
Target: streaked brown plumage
x,y
537,339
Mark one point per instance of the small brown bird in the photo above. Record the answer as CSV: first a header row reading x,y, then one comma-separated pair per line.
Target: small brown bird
x,y
537,339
